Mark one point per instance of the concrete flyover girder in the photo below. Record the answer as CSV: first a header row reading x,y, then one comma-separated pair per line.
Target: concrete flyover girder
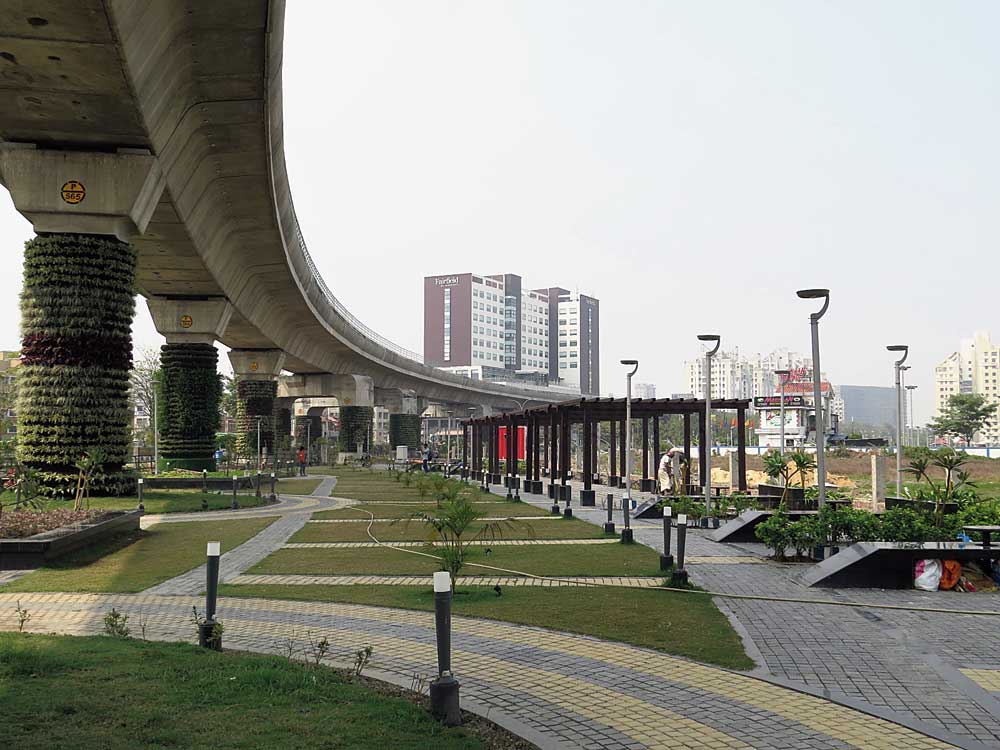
x,y
196,87
257,364
183,320
349,390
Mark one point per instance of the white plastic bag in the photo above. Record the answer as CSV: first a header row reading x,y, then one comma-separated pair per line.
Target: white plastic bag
x,y
927,575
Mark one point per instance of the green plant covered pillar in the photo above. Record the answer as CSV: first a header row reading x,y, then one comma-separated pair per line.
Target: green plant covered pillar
x,y
76,352
404,429
190,391
355,428
257,387
255,404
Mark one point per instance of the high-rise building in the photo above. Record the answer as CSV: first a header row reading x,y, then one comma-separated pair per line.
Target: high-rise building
x,y
493,327
643,390
870,405
971,369
736,375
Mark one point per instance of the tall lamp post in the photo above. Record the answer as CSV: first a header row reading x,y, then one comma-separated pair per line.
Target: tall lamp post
x,y
782,377
634,364
913,422
823,294
447,461
899,413
708,414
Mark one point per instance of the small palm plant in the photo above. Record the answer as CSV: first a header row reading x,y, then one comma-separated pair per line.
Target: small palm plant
x,y
452,525
804,462
955,477
776,467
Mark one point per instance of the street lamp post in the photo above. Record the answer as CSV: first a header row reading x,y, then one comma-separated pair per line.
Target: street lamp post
x,y
634,364
447,462
708,415
782,376
823,294
899,413
914,438
156,433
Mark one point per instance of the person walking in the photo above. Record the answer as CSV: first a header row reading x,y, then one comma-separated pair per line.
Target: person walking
x,y
427,458
302,461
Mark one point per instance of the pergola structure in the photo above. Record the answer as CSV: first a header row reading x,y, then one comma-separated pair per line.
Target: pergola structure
x,y
547,442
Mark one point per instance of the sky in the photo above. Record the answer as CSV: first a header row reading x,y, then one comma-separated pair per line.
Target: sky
x,y
691,164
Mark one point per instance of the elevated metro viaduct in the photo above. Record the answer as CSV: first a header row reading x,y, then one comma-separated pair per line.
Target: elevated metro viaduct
x,y
144,143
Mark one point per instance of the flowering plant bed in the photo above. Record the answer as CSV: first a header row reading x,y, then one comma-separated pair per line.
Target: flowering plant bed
x,y
19,524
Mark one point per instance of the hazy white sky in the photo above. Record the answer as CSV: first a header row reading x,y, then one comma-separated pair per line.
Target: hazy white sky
x,y
690,163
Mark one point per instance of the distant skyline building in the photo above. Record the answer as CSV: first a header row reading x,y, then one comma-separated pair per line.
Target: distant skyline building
x,y
973,368
736,375
644,390
494,328
872,405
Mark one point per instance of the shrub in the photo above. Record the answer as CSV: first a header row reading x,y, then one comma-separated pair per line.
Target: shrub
x,y
775,534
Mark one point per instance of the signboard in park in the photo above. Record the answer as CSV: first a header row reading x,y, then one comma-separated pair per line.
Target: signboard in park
x,y
402,452
774,402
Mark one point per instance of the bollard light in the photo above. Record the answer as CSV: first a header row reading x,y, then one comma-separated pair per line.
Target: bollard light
x,y
142,507
258,483
208,637
680,577
236,482
627,535
204,480
444,690
609,525
274,496
666,559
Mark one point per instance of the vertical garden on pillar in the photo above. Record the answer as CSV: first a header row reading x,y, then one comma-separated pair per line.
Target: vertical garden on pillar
x,y
190,393
404,429
255,402
355,428
76,353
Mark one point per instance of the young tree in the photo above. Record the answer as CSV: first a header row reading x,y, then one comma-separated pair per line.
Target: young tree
x,y
229,396
145,372
964,415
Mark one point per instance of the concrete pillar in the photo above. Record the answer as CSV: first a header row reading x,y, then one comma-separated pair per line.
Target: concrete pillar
x,y
878,482
257,373
78,306
189,384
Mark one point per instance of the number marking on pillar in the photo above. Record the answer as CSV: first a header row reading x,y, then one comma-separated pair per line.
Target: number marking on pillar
x,y
73,192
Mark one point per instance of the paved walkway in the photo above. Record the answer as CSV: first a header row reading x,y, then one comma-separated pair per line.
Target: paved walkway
x,y
569,691
908,662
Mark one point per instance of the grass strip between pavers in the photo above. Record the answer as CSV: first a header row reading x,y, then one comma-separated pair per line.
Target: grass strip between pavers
x,y
679,624
391,510
133,562
115,694
556,560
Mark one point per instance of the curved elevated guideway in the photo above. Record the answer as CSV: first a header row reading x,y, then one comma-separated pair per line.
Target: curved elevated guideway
x,y
192,91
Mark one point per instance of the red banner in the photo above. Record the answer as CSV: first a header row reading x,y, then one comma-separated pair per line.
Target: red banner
x,y
521,433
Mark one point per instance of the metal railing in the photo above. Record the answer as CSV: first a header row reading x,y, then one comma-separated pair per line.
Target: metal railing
x,y
343,311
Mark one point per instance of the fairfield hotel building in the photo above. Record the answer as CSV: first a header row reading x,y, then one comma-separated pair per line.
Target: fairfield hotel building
x,y
493,328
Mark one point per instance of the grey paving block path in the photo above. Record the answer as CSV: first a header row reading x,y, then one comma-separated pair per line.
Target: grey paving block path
x,y
904,661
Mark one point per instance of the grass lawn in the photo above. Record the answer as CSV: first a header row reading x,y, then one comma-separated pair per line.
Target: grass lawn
x,y
133,562
100,692
300,486
682,624
161,501
414,530
493,509
562,560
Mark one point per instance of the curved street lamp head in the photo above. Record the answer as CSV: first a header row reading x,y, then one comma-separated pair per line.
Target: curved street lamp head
x,y
899,348
910,387
633,362
711,337
823,294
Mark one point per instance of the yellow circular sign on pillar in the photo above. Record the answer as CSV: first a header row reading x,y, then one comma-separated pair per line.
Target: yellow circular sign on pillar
x,y
186,321
253,367
73,192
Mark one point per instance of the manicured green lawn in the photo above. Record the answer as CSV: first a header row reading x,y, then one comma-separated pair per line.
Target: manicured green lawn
x,y
414,530
137,561
492,509
682,624
100,692
552,560
164,501
301,486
